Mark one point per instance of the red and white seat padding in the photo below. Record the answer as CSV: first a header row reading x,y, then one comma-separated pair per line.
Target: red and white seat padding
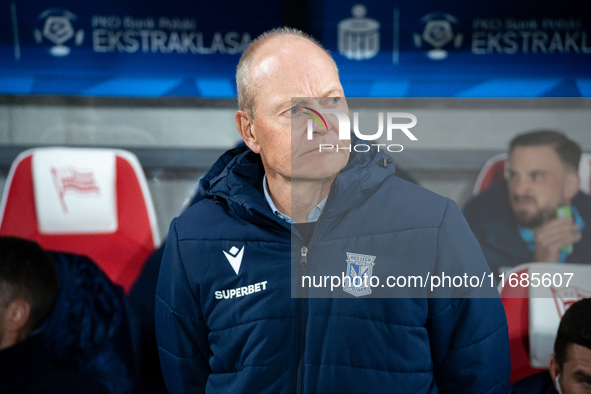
x,y
93,202
535,297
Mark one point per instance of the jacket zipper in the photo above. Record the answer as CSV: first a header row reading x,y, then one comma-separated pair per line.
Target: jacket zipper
x,y
303,303
304,256
302,323
303,308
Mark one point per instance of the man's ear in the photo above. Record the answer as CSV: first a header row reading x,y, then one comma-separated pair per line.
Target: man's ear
x,y
245,125
17,315
14,323
554,369
572,183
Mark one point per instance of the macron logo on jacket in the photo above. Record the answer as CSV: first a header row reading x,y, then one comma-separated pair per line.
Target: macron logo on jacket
x,y
234,258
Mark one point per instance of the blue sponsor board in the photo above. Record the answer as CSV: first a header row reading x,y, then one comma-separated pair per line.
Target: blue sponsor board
x,y
458,49
382,48
127,48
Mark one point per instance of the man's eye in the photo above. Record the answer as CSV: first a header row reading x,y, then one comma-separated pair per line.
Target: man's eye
x,y
330,102
292,110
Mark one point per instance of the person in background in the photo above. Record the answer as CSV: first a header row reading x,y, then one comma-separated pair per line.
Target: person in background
x,y
28,288
570,364
538,214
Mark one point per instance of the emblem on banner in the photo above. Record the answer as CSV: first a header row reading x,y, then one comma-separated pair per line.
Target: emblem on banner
x,y
68,179
438,33
359,270
359,37
564,298
58,29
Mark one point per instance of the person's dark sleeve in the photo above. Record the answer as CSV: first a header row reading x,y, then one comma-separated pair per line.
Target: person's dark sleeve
x,y
89,328
181,332
468,336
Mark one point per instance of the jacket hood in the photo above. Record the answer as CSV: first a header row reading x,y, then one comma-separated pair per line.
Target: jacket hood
x,y
238,173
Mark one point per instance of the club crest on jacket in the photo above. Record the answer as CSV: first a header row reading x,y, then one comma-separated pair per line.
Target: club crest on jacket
x,y
359,270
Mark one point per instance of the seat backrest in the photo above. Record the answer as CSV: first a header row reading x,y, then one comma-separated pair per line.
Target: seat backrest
x,y
494,170
92,202
549,300
585,172
515,302
534,313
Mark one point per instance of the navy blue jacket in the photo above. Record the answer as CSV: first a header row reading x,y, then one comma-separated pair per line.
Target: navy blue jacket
x,y
491,219
28,368
88,329
264,341
539,383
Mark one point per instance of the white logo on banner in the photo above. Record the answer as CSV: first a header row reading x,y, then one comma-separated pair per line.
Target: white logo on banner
x,y
359,37
438,33
543,35
58,29
128,34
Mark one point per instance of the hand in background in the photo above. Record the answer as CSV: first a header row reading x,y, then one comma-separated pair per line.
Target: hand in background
x,y
552,236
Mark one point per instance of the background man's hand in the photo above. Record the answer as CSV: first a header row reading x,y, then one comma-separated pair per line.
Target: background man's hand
x,y
552,236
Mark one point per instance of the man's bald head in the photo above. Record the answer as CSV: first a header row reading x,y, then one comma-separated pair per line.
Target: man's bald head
x,y
245,85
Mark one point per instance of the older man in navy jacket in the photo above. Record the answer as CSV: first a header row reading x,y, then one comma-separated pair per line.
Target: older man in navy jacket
x,y
228,318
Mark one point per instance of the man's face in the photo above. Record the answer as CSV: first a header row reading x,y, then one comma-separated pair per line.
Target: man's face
x,y
286,68
537,184
575,375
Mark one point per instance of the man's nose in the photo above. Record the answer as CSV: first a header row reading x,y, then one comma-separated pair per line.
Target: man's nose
x,y
317,126
521,187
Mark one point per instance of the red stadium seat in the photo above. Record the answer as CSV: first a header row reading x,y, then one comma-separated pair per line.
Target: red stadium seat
x,y
494,170
515,300
93,202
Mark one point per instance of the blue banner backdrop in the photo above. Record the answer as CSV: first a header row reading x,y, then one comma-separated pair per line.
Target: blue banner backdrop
x,y
128,48
383,49
459,49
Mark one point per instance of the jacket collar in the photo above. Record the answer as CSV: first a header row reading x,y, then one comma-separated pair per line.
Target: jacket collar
x,y
236,177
